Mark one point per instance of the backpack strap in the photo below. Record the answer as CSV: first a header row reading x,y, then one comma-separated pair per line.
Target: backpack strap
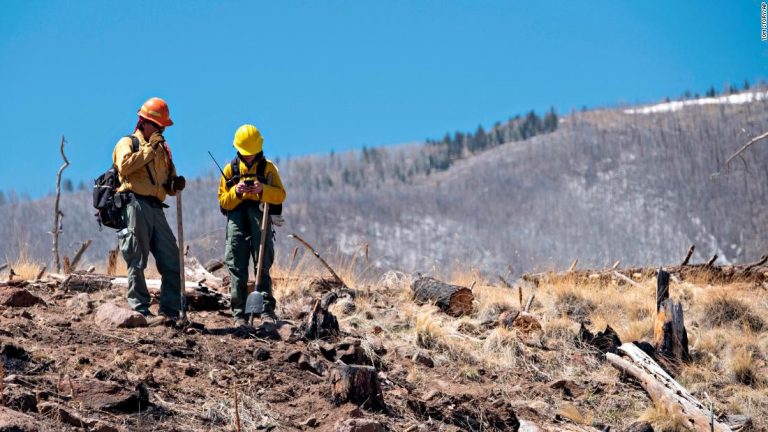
x,y
234,167
261,168
135,143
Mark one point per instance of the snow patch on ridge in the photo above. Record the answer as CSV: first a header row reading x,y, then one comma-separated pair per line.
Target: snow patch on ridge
x,y
739,98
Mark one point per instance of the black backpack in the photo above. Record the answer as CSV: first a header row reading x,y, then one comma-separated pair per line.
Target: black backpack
x,y
107,202
261,167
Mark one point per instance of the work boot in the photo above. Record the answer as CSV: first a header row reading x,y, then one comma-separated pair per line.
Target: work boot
x,y
240,322
155,320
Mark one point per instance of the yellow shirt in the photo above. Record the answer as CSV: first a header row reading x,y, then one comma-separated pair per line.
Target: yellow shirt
x,y
273,193
132,167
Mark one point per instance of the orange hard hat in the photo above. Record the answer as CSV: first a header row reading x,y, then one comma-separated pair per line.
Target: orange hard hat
x,y
156,111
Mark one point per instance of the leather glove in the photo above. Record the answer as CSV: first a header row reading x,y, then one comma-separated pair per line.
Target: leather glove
x,y
178,183
156,139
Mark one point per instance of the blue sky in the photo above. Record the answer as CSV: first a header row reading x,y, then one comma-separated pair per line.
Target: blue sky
x,y
322,75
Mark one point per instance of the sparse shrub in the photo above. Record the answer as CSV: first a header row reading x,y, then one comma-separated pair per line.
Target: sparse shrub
x,y
560,328
742,366
574,305
722,311
429,333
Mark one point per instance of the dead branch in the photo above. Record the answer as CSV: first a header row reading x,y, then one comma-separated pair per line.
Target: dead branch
x,y
688,256
41,273
57,214
504,282
726,165
616,265
763,259
79,255
317,255
627,280
573,265
711,261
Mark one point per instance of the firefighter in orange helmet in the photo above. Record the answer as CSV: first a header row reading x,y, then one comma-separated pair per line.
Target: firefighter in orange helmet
x,y
147,175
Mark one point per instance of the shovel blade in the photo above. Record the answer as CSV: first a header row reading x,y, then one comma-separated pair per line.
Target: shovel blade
x,y
254,304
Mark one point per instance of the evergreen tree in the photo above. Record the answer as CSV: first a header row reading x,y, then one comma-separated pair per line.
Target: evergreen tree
x,y
746,85
67,185
550,121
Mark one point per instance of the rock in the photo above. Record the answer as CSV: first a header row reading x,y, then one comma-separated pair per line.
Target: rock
x,y
309,363
14,357
261,354
292,356
18,297
359,425
54,410
19,398
526,426
109,396
507,318
285,330
14,421
568,388
639,426
423,359
81,304
111,315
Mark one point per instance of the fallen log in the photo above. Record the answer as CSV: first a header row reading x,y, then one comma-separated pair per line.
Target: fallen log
x,y
663,389
452,299
198,298
357,384
195,271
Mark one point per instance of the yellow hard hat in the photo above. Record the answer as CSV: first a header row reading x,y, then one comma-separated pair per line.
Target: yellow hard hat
x,y
248,140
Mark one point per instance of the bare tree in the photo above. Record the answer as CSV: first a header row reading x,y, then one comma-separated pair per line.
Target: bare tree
x,y
57,214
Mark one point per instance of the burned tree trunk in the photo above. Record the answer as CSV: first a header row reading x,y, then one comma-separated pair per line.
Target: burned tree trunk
x,y
452,299
320,323
357,384
669,334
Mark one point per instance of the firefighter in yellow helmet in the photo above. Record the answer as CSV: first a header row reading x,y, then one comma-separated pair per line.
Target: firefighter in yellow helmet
x,y
249,180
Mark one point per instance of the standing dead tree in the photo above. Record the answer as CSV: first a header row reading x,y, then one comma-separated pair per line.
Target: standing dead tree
x,y
57,214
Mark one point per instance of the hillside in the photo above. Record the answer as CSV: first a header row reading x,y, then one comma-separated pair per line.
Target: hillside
x,y
496,368
606,185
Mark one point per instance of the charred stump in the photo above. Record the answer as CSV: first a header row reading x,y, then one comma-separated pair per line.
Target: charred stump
x,y
320,323
669,335
452,299
357,384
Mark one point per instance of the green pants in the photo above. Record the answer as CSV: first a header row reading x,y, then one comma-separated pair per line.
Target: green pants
x,y
243,237
148,231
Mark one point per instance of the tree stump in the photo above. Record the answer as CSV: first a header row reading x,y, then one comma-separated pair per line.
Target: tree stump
x,y
669,335
357,384
452,299
321,324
